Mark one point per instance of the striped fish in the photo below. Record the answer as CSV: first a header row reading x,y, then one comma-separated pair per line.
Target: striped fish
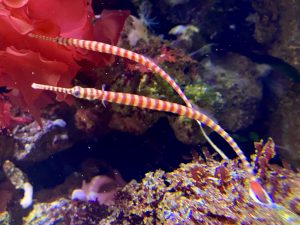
x,y
256,190
124,53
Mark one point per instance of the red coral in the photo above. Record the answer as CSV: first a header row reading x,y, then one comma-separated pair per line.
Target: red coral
x,y
7,120
109,27
264,153
15,3
166,55
25,60
4,114
22,67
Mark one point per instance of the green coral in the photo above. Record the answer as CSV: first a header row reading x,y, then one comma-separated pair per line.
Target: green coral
x,y
202,94
156,87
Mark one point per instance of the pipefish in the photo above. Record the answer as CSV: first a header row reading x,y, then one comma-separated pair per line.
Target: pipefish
x,y
256,191
124,53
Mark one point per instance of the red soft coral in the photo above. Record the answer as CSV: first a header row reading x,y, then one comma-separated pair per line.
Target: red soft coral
x,y
69,19
25,60
7,120
30,66
15,3
108,28
5,117
69,15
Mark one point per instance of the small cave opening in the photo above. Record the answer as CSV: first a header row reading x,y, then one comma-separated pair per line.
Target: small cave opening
x,y
132,156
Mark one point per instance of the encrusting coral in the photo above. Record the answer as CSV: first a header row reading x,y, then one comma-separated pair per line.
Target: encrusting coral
x,y
200,192
20,181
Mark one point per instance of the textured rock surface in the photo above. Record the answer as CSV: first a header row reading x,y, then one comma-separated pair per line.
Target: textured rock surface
x,y
198,192
277,27
33,143
237,80
285,128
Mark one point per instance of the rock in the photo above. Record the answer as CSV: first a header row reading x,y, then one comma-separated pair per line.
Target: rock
x,y
285,127
277,28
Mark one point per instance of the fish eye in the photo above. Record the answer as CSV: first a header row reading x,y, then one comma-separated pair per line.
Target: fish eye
x,y
76,92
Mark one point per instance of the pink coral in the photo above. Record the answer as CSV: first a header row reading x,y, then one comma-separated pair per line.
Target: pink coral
x,y
25,60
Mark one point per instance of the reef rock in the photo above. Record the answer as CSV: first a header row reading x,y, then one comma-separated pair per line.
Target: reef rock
x,y
200,192
277,28
285,128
